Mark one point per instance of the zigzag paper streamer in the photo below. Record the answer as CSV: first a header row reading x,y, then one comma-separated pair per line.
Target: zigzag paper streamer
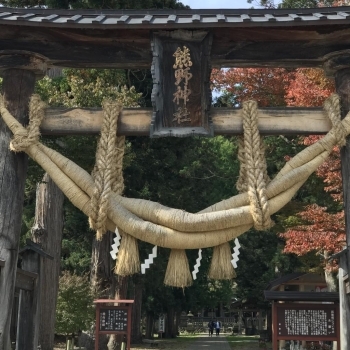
x,y
197,265
235,253
149,260
115,246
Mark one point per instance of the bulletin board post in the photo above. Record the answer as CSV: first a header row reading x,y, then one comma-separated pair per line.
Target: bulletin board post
x,y
305,321
113,317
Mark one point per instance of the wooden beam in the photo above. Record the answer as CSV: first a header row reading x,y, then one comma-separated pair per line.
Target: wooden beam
x,y
226,121
263,46
304,283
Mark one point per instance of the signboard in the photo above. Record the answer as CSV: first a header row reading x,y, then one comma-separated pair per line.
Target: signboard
x,y
181,93
113,319
306,321
161,324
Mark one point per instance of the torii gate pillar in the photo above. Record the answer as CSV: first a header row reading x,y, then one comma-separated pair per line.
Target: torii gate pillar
x,y
339,67
19,75
342,80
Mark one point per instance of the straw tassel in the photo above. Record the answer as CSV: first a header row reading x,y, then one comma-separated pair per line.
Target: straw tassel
x,y
221,267
128,261
178,271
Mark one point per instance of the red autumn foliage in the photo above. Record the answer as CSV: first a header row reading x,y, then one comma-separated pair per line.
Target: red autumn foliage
x,y
308,88
301,87
265,85
322,231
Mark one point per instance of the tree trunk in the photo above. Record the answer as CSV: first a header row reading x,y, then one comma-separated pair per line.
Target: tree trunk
x,y
177,321
170,327
115,341
329,276
149,325
18,86
102,278
47,231
136,334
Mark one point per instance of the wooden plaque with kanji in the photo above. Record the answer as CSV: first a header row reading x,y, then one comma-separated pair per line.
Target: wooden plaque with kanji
x,y
181,93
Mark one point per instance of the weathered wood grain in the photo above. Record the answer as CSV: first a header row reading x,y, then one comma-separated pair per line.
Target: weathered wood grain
x,y
47,232
25,279
18,86
29,304
287,46
166,117
226,121
342,81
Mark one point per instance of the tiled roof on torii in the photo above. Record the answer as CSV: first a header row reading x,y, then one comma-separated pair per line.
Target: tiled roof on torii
x,y
169,19
123,38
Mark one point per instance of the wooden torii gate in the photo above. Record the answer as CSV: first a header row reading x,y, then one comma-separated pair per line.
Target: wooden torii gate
x,y
32,40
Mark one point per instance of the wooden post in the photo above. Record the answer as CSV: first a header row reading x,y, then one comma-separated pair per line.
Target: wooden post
x,y
18,86
260,323
344,305
97,333
342,80
274,326
29,302
47,232
29,307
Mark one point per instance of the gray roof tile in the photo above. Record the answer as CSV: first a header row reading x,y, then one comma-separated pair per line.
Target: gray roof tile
x,y
171,18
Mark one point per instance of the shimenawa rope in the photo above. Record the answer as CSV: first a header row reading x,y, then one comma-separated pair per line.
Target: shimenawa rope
x,y
174,228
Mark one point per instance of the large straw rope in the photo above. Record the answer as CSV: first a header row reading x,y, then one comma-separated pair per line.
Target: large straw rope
x,y
103,173
177,229
23,138
254,164
108,176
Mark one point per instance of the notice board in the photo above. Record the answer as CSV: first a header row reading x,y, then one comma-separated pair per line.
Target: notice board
x,y
112,319
306,321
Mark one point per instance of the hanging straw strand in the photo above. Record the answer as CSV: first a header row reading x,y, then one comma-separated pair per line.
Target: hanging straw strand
x,y
103,171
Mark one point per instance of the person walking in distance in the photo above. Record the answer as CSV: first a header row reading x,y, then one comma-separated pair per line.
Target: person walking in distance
x,y
217,327
211,328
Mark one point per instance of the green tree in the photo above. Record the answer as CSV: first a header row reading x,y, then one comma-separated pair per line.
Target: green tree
x,y
95,4
75,309
292,4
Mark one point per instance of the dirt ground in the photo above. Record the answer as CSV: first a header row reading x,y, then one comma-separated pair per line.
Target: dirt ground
x,y
177,344
164,344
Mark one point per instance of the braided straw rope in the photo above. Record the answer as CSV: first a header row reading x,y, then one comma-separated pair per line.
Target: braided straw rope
x,y
108,177
104,171
241,183
118,184
255,167
176,229
332,107
23,138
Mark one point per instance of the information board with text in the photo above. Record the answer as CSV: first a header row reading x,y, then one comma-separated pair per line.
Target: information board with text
x,y
306,321
113,319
